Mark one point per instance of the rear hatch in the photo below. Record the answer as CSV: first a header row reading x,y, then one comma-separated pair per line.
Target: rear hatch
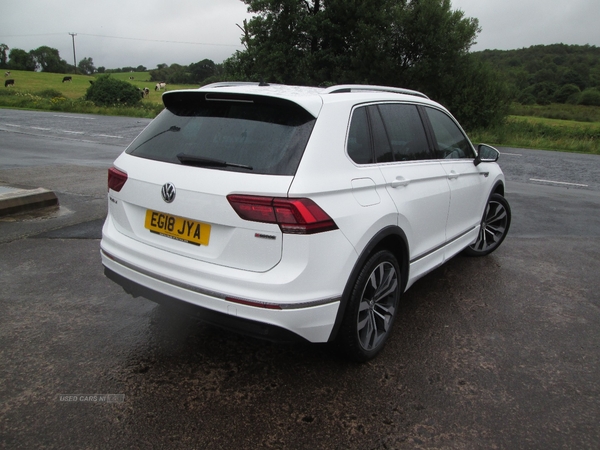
x,y
203,147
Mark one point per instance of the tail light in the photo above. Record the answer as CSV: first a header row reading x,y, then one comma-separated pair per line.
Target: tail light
x,y
116,179
293,215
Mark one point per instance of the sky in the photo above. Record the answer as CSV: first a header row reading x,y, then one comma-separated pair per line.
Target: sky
x,y
119,33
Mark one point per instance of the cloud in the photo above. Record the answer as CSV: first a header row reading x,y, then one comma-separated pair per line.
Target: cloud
x,y
118,33
510,24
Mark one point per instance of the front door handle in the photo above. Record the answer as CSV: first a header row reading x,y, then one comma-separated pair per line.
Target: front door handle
x,y
453,175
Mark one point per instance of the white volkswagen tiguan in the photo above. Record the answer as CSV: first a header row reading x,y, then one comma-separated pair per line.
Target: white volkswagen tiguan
x,y
286,211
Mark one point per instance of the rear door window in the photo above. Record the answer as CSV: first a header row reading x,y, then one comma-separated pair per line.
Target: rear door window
x,y
237,133
405,132
387,133
359,138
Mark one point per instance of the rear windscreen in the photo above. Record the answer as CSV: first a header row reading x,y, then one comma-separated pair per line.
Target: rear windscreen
x,y
227,132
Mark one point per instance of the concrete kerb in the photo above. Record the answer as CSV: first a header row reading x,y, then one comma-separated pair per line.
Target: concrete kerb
x,y
14,200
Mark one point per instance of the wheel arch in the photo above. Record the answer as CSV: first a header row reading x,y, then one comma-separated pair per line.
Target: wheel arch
x,y
498,188
391,238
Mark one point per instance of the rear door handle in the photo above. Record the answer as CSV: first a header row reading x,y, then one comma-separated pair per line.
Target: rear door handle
x,y
399,182
453,175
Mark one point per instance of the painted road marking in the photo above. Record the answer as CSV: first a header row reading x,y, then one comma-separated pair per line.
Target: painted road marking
x,y
74,117
558,182
107,135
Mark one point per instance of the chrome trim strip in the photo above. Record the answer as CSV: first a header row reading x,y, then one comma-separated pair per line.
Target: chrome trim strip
x,y
441,246
219,295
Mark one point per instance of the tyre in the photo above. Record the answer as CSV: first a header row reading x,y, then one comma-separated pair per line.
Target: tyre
x,y
372,307
494,227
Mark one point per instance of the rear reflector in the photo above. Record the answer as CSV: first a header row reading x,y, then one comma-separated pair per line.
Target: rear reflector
x,y
253,303
116,179
293,215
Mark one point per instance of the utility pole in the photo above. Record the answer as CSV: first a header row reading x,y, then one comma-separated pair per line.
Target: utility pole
x,y
74,58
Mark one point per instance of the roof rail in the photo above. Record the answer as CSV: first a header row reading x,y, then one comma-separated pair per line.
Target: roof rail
x,y
220,84
365,87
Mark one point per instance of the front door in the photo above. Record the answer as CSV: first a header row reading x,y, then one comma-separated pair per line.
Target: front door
x,y
466,180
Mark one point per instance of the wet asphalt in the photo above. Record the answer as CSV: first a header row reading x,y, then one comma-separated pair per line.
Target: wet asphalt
x,y
495,352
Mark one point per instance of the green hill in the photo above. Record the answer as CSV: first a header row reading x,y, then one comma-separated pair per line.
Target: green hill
x,y
545,74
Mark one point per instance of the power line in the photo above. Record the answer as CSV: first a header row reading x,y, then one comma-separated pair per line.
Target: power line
x,y
159,40
30,35
124,38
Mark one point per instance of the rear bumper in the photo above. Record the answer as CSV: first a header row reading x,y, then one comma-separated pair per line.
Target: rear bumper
x,y
302,294
311,321
231,323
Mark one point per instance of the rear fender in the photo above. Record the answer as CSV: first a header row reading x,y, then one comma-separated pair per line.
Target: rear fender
x,y
391,238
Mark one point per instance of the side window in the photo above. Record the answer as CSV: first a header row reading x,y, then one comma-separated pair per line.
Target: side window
x,y
405,132
381,143
451,143
359,138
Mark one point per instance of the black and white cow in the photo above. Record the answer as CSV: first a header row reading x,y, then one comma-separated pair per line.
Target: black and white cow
x,y
10,82
160,86
67,79
7,74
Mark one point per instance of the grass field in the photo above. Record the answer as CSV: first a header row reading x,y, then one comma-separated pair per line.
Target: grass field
x,y
576,113
31,82
35,82
47,92
553,127
544,134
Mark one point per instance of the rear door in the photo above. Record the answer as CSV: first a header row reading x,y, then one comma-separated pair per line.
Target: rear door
x,y
415,180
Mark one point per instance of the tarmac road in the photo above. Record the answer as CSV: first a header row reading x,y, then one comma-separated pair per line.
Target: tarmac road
x,y
494,352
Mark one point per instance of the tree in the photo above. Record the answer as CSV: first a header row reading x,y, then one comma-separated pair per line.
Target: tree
x,y
108,91
178,74
419,44
477,97
573,77
202,70
590,97
48,60
21,60
543,92
3,55
160,73
86,66
567,93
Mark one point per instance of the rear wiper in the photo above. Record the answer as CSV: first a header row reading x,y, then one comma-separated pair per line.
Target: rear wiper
x,y
191,160
172,128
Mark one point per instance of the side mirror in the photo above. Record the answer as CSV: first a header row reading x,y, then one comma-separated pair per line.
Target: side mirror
x,y
486,153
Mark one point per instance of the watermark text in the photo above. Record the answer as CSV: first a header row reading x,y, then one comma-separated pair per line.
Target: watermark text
x,y
91,398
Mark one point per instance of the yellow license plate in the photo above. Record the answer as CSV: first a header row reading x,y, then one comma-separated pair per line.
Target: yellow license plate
x,y
179,228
